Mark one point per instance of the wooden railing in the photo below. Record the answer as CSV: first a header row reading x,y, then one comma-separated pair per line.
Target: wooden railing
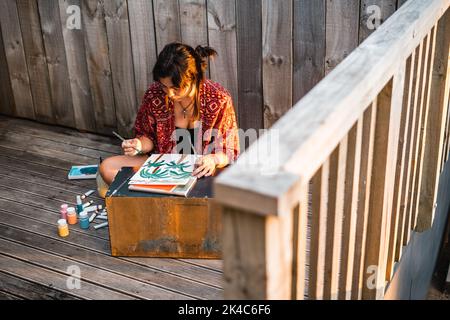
x,y
355,170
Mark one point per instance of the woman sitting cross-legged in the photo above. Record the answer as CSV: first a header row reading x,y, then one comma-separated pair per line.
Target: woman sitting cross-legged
x,y
180,111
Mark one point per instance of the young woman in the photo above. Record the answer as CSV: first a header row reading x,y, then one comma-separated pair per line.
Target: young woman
x,y
181,108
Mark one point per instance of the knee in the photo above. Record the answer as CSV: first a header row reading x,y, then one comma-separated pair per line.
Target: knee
x,y
107,169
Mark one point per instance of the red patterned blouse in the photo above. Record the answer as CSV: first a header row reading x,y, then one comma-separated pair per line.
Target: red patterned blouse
x,y
217,128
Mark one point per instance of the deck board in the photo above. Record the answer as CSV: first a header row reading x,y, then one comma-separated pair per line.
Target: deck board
x,y
34,162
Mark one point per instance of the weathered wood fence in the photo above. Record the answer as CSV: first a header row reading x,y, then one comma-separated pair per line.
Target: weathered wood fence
x,y
356,169
270,53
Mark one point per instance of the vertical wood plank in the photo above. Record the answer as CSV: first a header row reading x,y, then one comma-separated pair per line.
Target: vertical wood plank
x,y
249,49
56,63
352,176
425,77
277,59
194,30
369,18
308,46
119,43
78,71
319,209
142,30
300,244
7,105
167,22
222,37
396,217
383,173
15,57
365,181
257,255
99,68
438,106
342,24
35,55
336,189
414,137
405,175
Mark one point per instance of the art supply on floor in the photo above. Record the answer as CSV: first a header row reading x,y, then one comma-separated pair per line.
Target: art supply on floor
x,y
87,204
63,228
93,208
84,220
87,194
71,215
101,217
63,211
83,172
92,217
79,206
100,225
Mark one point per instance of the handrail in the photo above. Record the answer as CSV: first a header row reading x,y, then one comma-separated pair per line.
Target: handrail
x,y
355,169
314,126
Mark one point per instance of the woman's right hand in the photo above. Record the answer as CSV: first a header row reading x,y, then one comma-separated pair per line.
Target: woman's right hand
x,y
131,147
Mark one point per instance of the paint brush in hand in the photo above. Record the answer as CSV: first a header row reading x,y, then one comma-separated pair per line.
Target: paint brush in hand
x,y
139,152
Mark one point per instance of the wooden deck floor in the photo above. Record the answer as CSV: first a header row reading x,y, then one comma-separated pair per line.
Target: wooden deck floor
x,y
34,260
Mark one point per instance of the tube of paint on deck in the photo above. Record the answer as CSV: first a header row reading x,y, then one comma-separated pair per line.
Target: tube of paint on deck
x,y
100,225
63,211
93,208
101,217
92,217
87,204
86,194
79,205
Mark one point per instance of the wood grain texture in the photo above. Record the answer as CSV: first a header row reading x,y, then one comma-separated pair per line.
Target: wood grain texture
x,y
193,22
142,30
167,22
249,46
277,59
36,60
15,57
99,67
438,104
7,105
308,46
342,24
222,37
61,94
121,58
77,67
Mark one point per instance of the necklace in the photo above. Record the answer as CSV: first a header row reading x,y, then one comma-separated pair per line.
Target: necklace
x,y
186,108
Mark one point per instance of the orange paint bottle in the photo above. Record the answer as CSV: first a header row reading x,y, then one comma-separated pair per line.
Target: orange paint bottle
x,y
71,215
63,228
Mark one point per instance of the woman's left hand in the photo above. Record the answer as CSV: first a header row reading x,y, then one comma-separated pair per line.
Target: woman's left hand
x,y
205,166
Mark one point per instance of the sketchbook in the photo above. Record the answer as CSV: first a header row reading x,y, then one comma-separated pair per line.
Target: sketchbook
x,y
83,172
165,174
165,169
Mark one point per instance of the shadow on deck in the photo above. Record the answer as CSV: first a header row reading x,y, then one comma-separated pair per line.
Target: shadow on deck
x,y
35,263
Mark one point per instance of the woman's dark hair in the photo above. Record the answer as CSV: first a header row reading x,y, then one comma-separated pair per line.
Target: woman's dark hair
x,y
184,64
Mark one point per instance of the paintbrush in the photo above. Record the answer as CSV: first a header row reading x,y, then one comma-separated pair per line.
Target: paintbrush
x,y
139,152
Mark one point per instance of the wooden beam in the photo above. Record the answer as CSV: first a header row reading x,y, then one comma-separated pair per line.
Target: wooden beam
x,y
369,18
308,46
16,60
277,59
222,37
257,253
7,105
334,105
167,22
99,67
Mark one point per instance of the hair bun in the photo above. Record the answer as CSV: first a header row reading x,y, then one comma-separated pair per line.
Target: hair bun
x,y
205,52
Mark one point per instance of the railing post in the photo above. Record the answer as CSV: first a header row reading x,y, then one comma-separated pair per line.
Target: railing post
x,y
257,254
